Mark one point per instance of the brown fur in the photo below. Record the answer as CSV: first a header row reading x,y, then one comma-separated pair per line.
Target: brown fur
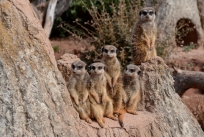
x,y
97,89
77,87
132,90
143,38
113,70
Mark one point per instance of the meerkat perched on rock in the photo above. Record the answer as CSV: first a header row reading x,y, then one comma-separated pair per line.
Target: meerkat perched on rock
x,y
132,87
97,90
132,90
144,36
113,69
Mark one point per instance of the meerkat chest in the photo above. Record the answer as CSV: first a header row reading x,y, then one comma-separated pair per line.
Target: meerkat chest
x,y
149,28
131,88
80,87
113,67
99,86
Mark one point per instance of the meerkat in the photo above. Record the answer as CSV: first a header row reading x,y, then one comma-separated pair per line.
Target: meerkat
x,y
97,89
113,70
132,90
132,87
77,87
144,36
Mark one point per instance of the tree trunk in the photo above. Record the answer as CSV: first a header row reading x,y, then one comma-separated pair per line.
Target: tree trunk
x,y
34,100
50,16
62,6
185,80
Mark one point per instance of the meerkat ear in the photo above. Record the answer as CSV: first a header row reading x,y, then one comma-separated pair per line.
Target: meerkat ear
x,y
139,72
86,67
140,13
117,51
104,67
102,49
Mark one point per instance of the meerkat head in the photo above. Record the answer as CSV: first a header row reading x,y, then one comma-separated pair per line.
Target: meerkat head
x,y
79,68
109,51
147,14
132,71
97,68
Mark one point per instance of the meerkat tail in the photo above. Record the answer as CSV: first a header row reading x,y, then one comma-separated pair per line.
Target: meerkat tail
x,y
121,116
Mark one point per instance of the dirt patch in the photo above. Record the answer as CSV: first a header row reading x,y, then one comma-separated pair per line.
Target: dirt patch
x,y
69,45
191,60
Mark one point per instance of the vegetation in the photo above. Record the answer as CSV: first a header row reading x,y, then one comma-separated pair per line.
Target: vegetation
x,y
56,48
108,22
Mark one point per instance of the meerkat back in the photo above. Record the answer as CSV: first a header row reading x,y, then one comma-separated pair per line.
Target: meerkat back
x,y
144,36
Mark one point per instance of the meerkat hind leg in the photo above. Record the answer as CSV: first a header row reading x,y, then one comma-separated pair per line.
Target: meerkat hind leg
x,y
97,113
83,115
132,108
109,111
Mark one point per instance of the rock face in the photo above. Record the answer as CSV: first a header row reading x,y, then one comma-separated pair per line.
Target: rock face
x,y
34,100
171,11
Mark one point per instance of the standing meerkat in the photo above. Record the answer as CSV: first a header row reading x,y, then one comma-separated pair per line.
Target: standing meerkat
x,y
144,36
77,87
132,90
113,69
97,90
132,87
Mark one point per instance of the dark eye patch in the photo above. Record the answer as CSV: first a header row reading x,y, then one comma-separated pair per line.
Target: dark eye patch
x,y
79,67
151,13
100,67
105,50
139,72
144,13
132,70
112,51
73,66
93,67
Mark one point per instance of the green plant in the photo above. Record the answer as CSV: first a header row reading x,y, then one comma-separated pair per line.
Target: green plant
x,y
111,23
189,47
56,48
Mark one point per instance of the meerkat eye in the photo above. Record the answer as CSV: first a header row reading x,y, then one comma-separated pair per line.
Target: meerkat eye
x,y
79,67
151,13
112,51
93,67
144,13
100,67
105,50
73,66
139,72
132,70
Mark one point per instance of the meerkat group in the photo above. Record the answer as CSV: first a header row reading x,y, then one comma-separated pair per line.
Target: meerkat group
x,y
107,91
